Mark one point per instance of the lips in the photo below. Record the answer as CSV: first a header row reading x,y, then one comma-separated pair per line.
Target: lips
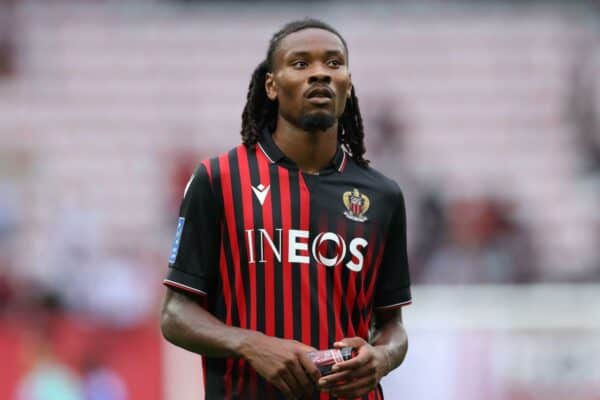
x,y
320,91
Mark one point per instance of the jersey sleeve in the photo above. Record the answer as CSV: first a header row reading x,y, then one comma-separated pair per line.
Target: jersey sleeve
x,y
393,282
193,262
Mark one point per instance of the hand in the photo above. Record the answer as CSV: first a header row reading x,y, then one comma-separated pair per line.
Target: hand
x,y
284,363
359,375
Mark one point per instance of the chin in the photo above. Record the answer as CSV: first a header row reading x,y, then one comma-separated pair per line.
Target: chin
x,y
316,121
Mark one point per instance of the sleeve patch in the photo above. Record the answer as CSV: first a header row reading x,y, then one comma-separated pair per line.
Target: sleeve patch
x,y
176,240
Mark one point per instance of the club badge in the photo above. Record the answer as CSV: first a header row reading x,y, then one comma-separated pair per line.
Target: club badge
x,y
356,204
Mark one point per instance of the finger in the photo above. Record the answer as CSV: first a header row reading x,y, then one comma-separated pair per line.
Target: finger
x,y
354,342
357,362
305,348
281,384
331,380
355,388
339,378
292,383
310,367
306,386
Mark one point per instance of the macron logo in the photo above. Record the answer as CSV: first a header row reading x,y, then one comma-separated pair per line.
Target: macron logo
x,y
261,192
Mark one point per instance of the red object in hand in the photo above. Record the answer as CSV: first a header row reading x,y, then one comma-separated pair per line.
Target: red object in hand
x,y
326,359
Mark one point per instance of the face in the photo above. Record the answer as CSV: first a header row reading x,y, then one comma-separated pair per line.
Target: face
x,y
310,79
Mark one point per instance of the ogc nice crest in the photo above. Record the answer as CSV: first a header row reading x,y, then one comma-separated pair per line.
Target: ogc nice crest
x,y
356,204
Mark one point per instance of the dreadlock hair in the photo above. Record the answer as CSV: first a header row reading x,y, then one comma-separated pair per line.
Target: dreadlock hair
x,y
260,112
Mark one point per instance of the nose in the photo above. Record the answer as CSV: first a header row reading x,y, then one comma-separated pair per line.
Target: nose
x,y
319,74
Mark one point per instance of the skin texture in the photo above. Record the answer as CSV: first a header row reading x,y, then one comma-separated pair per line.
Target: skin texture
x,y
304,61
282,362
361,374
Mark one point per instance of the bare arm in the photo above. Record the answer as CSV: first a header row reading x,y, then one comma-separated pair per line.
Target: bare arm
x,y
284,363
391,336
185,323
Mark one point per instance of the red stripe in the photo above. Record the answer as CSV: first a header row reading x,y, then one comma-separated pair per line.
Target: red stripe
x,y
229,202
286,220
351,290
228,320
337,284
248,211
265,179
375,271
231,225
363,327
322,293
304,269
246,190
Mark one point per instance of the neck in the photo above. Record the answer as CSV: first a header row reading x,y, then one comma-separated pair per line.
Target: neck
x,y
311,151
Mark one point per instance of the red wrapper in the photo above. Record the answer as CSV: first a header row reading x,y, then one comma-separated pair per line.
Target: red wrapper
x,y
326,359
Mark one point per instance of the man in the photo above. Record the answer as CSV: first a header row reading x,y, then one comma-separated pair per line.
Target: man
x,y
290,242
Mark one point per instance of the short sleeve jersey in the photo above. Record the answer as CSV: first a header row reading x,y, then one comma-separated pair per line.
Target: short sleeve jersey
x,y
293,255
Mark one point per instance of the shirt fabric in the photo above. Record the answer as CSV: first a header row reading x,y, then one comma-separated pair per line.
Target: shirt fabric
x,y
293,255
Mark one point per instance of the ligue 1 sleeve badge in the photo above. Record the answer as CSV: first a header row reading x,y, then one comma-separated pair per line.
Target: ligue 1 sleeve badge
x,y
356,204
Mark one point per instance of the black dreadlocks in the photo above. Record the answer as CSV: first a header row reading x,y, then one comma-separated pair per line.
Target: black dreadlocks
x,y
260,112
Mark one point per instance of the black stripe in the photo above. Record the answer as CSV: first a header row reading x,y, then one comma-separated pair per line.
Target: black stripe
x,y
313,279
346,273
238,204
229,257
217,304
330,273
259,267
296,299
216,388
215,371
236,189
379,242
258,223
354,315
277,273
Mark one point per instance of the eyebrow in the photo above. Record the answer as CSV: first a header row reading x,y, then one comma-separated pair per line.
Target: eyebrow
x,y
306,53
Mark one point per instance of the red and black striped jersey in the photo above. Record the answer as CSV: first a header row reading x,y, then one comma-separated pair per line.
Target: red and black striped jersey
x,y
293,255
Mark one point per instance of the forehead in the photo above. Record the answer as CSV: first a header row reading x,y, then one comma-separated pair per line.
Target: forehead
x,y
310,40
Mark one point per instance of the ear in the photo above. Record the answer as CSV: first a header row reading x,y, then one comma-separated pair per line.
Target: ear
x,y
271,86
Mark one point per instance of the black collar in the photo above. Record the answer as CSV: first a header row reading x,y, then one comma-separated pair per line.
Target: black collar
x,y
274,154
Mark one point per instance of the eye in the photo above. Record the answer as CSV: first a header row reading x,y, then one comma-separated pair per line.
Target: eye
x,y
299,64
334,63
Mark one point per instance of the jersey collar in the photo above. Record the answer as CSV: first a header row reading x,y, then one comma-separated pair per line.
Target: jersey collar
x,y
267,145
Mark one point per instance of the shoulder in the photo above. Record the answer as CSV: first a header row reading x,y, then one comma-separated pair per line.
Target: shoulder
x,y
388,187
213,168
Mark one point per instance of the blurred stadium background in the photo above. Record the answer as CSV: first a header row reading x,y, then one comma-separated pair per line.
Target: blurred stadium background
x,y
486,112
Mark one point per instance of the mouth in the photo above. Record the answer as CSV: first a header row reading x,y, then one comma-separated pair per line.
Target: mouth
x,y
320,95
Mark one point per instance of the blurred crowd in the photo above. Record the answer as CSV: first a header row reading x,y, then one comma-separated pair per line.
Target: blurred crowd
x,y
480,238
67,325
93,286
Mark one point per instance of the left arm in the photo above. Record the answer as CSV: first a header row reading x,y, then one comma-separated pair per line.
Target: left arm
x,y
390,336
361,374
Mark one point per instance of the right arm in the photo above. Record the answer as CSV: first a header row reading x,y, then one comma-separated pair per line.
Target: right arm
x,y
284,363
185,323
192,274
